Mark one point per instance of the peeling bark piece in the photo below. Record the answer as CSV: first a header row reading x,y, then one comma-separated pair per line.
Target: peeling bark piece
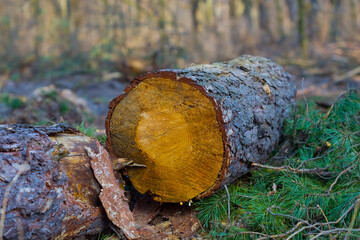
x,y
57,197
199,128
112,196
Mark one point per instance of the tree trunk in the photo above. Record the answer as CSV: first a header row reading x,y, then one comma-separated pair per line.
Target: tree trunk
x,y
47,188
199,128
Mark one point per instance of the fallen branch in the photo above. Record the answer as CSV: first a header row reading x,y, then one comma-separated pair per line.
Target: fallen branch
x,y
320,171
335,230
349,74
323,224
283,234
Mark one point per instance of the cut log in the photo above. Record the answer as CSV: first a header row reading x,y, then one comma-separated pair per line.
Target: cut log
x,y
47,188
199,128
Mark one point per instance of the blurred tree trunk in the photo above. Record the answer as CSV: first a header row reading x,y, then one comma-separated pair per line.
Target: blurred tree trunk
x,y
139,13
209,12
323,20
355,16
8,34
162,58
236,11
195,38
65,12
344,22
124,32
254,16
284,22
75,19
303,39
109,35
270,19
194,9
36,13
162,23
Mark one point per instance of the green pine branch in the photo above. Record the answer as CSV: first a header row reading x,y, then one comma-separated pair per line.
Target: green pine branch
x,y
313,194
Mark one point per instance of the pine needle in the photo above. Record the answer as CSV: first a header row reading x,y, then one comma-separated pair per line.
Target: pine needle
x,y
317,187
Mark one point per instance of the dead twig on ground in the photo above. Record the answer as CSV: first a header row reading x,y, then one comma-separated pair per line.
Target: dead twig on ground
x,y
323,224
354,216
335,230
319,171
316,226
322,212
316,158
337,178
282,234
228,205
287,216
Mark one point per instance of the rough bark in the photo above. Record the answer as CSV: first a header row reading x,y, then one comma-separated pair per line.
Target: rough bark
x,y
112,196
251,97
56,195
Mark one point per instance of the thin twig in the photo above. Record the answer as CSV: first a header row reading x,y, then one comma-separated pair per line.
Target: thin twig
x,y
337,178
322,224
21,169
354,216
327,221
335,230
228,205
256,233
288,216
316,158
288,168
282,234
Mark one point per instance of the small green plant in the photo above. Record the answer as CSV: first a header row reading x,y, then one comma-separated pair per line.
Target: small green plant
x,y
64,106
44,122
91,131
11,101
105,236
314,193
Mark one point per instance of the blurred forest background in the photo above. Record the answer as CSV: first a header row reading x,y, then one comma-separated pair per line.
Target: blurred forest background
x,y
69,58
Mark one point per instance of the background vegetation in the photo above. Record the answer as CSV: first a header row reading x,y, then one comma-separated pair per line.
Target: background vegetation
x,y
136,35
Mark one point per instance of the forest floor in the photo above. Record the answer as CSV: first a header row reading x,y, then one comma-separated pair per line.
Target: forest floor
x,y
81,99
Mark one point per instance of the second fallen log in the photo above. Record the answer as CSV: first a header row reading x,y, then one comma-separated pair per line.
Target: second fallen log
x,y
197,129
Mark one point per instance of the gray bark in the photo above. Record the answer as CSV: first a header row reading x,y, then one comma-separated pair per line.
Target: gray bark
x,y
254,96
